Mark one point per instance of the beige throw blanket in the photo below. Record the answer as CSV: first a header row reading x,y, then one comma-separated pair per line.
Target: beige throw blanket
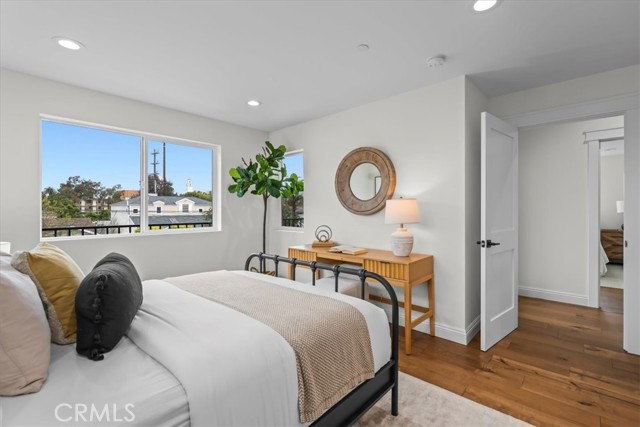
x,y
329,337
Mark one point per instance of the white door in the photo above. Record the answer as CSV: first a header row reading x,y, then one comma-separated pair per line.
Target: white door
x,y
631,341
499,229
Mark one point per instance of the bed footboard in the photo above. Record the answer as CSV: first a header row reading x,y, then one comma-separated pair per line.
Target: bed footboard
x,y
362,398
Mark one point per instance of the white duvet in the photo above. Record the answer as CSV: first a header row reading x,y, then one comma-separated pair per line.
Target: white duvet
x,y
236,371
187,360
127,388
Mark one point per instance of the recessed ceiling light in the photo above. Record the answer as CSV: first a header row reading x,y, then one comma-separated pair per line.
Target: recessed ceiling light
x,y
254,103
436,61
363,47
484,5
68,43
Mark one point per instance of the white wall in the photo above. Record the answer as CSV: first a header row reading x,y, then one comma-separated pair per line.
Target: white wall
x,y
424,133
475,104
611,190
553,210
620,82
24,97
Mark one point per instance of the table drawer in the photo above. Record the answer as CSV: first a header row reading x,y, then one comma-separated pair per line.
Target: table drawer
x,y
388,269
302,255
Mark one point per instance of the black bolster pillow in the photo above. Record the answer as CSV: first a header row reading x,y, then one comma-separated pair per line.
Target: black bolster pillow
x,y
107,300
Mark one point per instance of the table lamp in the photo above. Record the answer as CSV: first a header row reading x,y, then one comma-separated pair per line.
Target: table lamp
x,y
401,211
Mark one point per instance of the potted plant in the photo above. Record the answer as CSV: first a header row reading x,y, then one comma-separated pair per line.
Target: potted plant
x,y
266,177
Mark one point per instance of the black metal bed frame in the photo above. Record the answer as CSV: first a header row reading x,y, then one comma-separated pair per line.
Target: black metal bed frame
x,y
362,398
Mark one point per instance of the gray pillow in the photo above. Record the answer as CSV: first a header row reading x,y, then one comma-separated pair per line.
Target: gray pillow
x,y
25,338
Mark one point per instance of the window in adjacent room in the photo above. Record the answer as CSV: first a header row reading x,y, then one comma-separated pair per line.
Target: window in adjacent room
x,y
292,208
92,175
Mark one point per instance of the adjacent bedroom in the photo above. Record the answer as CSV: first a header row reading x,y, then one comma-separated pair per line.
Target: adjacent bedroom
x,y
313,213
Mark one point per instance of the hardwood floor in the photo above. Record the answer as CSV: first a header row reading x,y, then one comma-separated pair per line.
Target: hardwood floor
x,y
563,366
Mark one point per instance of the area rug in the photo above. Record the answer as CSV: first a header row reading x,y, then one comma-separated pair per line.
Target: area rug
x,y
424,404
613,278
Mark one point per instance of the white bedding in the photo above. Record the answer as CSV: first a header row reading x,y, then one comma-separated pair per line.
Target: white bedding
x,y
604,259
126,376
233,369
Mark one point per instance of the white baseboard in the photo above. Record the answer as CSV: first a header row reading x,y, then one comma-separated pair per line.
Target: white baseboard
x,y
546,294
473,329
460,336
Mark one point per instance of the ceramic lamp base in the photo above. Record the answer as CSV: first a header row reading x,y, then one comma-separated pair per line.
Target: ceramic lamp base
x,y
401,242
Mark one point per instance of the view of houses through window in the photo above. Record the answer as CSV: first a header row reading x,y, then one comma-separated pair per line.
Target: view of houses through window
x,y
292,208
91,182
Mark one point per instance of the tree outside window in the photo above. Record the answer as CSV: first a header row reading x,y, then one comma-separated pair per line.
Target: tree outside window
x,y
292,208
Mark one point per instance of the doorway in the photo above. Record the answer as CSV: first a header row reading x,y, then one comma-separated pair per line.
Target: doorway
x,y
605,107
611,268
555,187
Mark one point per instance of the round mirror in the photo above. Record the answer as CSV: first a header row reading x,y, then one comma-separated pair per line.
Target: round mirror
x,y
365,181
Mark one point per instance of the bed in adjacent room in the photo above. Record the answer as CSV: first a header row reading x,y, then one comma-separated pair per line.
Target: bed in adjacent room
x,y
224,348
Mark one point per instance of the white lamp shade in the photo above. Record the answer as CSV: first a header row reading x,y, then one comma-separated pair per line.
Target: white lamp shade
x,y
620,206
5,247
401,211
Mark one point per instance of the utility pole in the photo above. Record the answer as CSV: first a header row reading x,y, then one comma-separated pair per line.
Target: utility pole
x,y
164,168
155,173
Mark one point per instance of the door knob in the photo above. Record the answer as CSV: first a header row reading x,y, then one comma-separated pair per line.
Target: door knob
x,y
490,243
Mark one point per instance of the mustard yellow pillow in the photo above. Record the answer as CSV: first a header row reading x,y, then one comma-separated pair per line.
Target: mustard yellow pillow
x,y
57,278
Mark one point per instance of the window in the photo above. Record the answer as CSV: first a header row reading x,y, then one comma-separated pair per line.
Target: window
x,y
92,176
292,208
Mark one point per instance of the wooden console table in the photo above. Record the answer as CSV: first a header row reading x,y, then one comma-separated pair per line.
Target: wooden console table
x,y
403,272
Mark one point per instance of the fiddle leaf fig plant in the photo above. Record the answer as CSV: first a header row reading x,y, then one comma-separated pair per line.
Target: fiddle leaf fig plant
x,y
266,177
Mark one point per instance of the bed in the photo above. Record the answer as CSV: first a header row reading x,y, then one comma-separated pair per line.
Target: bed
x,y
604,260
189,361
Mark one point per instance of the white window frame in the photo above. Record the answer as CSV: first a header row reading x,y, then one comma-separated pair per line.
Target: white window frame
x,y
216,166
280,226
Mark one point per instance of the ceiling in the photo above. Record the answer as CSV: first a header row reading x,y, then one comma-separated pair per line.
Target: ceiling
x,y
301,58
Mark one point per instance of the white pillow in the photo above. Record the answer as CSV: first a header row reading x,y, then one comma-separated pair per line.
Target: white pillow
x,y
25,348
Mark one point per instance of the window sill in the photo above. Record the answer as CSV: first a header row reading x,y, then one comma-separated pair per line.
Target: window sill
x,y
290,229
131,235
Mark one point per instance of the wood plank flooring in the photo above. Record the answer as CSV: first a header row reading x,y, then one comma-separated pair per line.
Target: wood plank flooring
x,y
563,366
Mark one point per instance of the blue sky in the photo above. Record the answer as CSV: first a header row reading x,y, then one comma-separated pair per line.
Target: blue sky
x,y
294,163
113,158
